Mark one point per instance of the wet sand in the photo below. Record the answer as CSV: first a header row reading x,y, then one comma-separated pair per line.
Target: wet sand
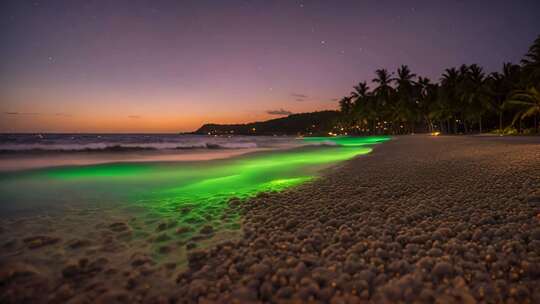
x,y
420,219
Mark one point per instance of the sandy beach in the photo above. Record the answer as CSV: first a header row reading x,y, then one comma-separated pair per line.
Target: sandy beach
x,y
422,219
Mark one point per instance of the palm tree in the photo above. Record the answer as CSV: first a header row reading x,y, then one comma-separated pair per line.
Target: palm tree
x,y
406,99
346,107
530,100
448,98
474,93
499,87
383,93
405,77
450,76
496,96
464,97
427,95
360,90
362,108
384,89
531,63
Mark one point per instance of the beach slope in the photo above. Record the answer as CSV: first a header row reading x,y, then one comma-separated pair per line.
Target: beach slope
x,y
452,219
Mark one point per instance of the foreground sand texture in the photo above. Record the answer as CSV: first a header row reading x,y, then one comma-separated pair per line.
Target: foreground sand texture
x,y
421,219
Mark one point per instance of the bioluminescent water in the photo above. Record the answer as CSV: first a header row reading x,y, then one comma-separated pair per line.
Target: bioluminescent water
x,y
191,192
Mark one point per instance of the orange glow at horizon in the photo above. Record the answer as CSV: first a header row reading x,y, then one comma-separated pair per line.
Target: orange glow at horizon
x,y
102,118
87,108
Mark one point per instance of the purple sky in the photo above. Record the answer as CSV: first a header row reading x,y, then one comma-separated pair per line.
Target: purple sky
x,y
166,66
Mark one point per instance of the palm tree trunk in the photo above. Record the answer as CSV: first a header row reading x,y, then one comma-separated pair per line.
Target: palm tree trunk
x,y
536,123
480,124
500,122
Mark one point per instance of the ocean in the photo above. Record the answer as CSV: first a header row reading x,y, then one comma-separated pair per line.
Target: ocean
x,y
132,142
158,173
135,201
27,151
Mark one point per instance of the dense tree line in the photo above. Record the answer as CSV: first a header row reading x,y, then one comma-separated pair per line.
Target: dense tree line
x,y
465,100
314,123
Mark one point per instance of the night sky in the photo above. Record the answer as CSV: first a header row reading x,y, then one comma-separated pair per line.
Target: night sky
x,y
167,66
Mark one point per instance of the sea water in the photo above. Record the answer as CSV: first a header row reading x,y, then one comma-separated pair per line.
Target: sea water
x,y
192,191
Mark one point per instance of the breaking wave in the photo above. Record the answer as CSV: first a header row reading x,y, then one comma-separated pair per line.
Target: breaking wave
x,y
102,147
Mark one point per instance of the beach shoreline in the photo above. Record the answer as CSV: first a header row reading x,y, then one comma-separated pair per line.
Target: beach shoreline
x,y
450,219
420,218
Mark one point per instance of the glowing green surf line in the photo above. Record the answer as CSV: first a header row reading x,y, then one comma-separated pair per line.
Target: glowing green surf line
x,y
190,192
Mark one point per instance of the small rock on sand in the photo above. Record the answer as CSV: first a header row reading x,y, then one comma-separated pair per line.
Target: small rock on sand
x,y
40,241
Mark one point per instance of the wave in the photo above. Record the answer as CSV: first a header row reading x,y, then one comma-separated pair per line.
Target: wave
x,y
101,147
322,143
234,145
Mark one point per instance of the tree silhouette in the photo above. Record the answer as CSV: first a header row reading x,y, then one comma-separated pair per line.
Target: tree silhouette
x,y
529,99
531,64
465,100
405,107
499,86
363,110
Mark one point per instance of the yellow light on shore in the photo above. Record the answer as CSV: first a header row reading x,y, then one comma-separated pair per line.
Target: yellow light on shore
x,y
435,133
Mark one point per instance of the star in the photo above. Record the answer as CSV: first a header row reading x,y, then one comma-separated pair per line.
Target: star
x,y
323,42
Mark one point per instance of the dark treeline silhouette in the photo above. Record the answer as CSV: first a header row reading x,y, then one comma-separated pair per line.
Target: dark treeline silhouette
x,y
465,100
314,123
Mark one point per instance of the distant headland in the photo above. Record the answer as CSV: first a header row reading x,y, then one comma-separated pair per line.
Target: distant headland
x,y
313,123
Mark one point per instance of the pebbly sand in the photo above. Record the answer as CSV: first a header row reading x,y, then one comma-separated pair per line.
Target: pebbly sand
x,y
420,219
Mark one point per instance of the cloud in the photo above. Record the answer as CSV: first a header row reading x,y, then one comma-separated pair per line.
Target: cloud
x,y
134,116
279,112
63,114
59,114
334,99
299,96
19,113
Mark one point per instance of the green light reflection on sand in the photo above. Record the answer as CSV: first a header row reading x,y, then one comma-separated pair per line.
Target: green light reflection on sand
x,y
196,192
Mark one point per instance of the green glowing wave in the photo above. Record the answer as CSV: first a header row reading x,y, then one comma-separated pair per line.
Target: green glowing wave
x,y
191,192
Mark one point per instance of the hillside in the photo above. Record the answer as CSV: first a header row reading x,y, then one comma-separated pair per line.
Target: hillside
x,y
295,124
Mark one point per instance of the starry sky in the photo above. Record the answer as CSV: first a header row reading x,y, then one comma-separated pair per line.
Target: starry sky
x,y
168,66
